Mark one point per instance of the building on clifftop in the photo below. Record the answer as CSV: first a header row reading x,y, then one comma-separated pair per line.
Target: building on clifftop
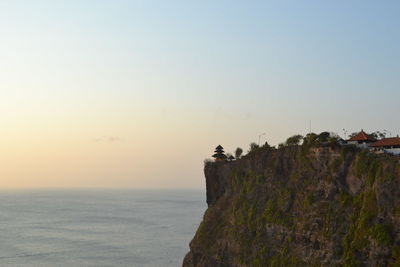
x,y
387,145
361,140
219,154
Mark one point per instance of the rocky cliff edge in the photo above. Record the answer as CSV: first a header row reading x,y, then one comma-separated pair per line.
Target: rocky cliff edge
x,y
300,206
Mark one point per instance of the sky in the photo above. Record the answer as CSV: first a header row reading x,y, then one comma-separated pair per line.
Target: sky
x,y
136,94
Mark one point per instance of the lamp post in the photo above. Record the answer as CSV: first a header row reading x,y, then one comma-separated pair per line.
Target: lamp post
x,y
259,138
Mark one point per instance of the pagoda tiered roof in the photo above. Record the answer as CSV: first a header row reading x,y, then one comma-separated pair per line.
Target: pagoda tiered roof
x,y
219,147
219,153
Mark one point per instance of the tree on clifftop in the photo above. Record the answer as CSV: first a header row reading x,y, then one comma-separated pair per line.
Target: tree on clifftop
x,y
253,147
238,153
294,140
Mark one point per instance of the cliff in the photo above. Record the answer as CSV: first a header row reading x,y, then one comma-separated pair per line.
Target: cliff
x,y
301,206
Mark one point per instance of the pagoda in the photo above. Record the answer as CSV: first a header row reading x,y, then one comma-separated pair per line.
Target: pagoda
x,y
219,154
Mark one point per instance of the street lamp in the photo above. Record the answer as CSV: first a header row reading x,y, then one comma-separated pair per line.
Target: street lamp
x,y
259,138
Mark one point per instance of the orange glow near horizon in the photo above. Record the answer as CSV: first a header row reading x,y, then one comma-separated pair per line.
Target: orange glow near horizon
x,y
133,94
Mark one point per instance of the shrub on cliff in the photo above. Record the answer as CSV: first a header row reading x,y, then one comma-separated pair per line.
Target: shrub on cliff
x,y
324,138
266,145
253,147
294,140
310,139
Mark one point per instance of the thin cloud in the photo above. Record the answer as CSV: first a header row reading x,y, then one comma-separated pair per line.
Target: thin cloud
x,y
108,139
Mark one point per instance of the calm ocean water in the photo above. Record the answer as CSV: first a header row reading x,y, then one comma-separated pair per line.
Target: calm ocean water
x,y
98,227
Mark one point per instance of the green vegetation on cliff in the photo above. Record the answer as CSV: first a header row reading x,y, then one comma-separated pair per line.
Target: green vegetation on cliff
x,y
301,205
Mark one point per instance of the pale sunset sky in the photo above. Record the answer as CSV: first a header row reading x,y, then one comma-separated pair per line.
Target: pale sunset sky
x,y
136,94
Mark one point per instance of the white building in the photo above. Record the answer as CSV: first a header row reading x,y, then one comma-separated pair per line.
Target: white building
x,y
361,140
388,145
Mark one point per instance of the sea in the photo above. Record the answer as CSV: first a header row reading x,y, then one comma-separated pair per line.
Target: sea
x,y
98,227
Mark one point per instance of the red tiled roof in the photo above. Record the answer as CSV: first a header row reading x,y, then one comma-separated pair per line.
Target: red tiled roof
x,y
393,141
362,136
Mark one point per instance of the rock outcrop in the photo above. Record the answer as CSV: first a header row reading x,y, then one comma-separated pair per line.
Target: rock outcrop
x,y
301,206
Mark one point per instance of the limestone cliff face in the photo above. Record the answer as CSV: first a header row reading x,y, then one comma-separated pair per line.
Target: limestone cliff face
x,y
301,206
